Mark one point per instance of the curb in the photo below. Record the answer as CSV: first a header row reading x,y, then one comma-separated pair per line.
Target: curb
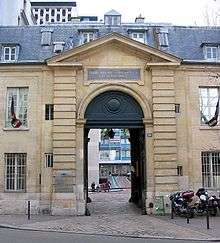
x,y
6,226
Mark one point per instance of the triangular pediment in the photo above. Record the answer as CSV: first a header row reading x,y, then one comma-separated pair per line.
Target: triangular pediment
x,y
151,55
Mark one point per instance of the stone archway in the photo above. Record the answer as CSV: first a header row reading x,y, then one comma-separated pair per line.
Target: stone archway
x,y
115,109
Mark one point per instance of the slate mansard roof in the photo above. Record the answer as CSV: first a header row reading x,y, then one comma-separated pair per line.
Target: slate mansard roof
x,y
184,42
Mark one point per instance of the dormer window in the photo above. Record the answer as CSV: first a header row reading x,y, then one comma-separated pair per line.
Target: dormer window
x,y
138,36
163,37
87,37
112,18
211,53
10,53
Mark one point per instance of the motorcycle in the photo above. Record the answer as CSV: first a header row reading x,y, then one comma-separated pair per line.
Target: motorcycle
x,y
206,202
180,203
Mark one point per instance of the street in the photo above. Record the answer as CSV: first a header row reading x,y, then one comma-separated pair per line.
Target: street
x,y
22,236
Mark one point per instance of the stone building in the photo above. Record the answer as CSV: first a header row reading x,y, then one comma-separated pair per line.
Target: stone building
x,y
159,81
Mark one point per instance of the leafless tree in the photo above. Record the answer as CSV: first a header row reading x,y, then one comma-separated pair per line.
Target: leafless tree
x,y
212,13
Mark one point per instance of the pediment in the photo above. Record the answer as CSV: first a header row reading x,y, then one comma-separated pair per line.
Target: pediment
x,y
113,41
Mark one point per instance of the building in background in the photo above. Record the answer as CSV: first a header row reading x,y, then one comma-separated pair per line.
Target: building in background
x,y
16,12
53,11
115,154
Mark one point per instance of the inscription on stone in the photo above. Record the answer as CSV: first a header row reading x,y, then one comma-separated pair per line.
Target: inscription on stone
x,y
63,182
133,74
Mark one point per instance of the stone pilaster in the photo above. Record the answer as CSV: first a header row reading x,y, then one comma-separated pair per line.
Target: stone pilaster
x,y
164,127
64,142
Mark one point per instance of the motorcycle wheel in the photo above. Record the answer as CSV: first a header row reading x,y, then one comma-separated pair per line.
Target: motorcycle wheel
x,y
213,211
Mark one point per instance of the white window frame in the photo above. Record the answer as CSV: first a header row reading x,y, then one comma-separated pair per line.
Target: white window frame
x,y
15,172
163,39
11,53
21,110
87,37
208,103
211,169
210,49
48,160
136,36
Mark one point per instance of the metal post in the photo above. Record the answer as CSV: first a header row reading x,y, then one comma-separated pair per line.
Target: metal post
x,y
187,214
207,215
172,205
29,209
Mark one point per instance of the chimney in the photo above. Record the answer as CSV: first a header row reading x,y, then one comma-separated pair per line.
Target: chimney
x,y
139,20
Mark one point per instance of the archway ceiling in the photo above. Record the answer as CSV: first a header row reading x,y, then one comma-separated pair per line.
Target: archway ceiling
x,y
151,55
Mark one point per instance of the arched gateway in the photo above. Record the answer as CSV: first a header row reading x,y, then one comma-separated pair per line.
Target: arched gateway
x,y
116,109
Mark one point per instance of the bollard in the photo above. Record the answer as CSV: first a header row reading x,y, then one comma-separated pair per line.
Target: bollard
x,y
207,216
172,206
187,214
29,209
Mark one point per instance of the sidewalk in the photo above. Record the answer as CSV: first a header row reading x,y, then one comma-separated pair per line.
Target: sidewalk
x,y
111,214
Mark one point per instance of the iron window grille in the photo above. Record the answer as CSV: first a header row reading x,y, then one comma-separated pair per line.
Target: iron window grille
x,y
49,112
48,160
211,169
15,172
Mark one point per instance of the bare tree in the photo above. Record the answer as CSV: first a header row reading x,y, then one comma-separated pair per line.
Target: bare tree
x,y
212,13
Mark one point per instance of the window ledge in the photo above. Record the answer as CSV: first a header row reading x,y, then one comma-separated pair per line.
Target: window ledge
x,y
206,127
15,129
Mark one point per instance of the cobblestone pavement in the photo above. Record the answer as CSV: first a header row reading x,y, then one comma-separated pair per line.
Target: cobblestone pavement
x,y
112,214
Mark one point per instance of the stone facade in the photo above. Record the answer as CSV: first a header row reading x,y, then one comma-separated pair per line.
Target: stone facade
x,y
170,139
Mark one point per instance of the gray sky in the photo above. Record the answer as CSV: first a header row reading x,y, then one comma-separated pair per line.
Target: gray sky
x,y
177,12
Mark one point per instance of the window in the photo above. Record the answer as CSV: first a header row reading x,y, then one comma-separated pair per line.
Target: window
x,y
163,39
104,155
112,20
87,37
177,108
126,153
138,37
41,12
69,17
211,169
180,170
208,101
49,110
48,160
52,12
58,17
15,172
20,98
211,52
9,53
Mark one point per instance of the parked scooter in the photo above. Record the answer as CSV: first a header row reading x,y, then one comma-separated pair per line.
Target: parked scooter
x,y
180,203
206,201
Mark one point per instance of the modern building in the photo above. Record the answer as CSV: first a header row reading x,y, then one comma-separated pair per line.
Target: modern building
x,y
159,81
115,154
51,11
16,13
